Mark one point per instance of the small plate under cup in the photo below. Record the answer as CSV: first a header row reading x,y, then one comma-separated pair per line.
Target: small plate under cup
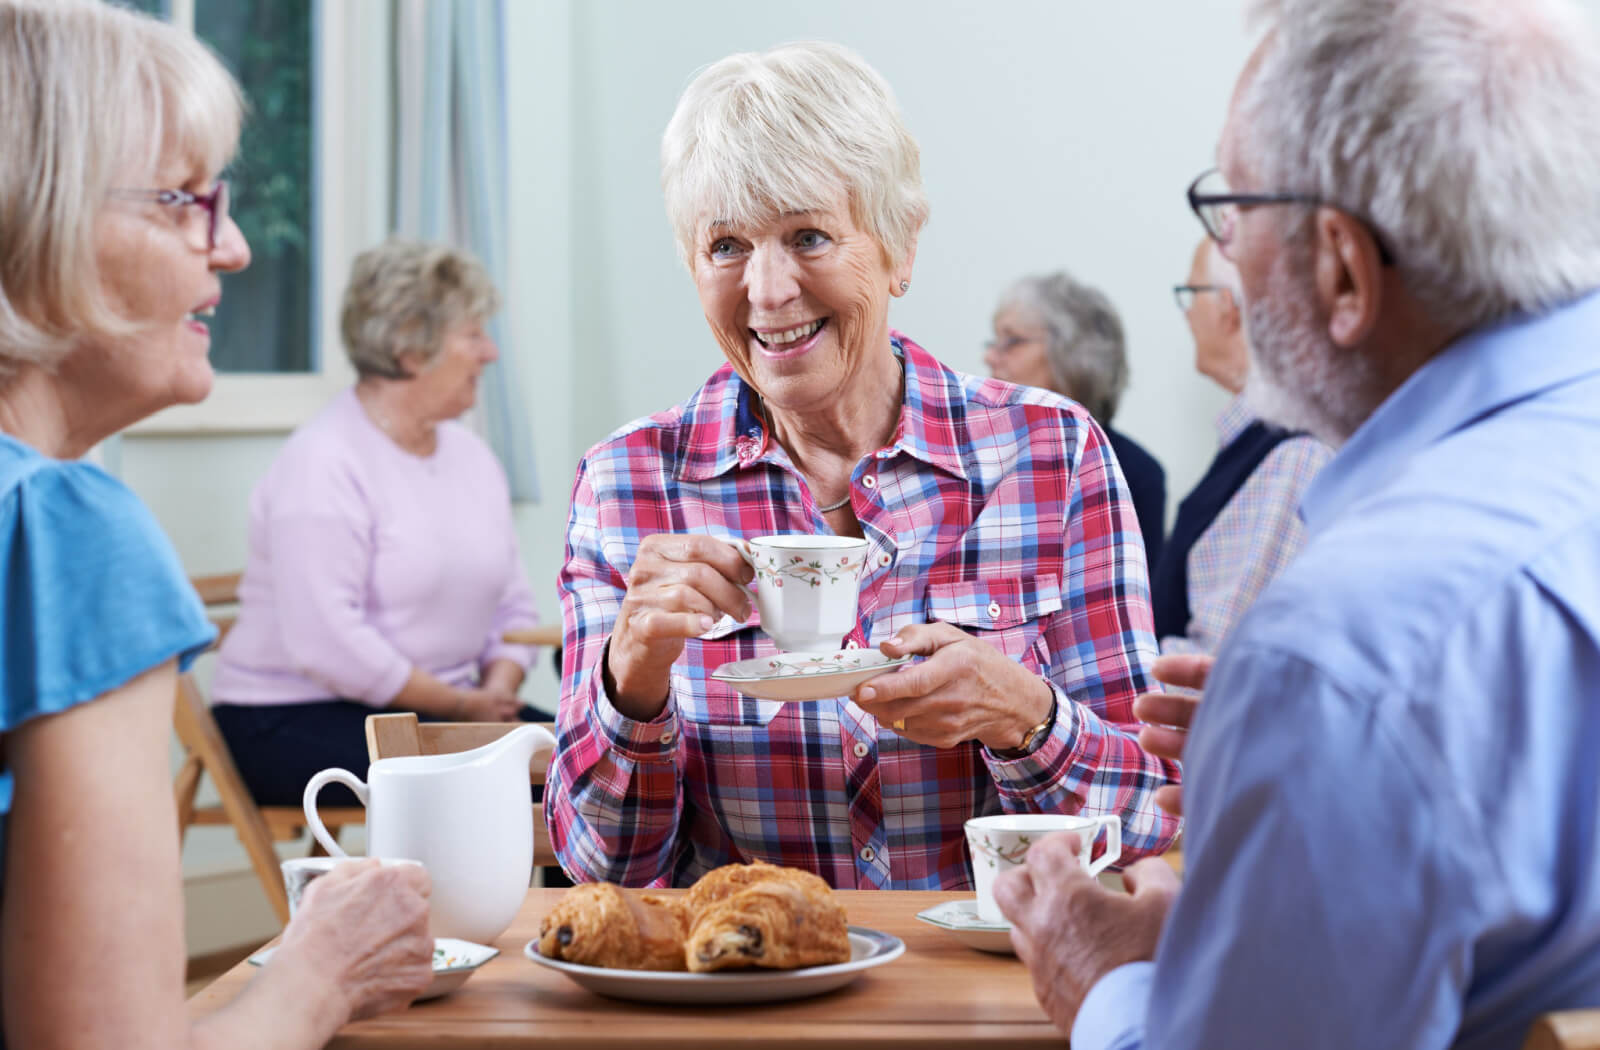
x,y
453,962
960,920
793,677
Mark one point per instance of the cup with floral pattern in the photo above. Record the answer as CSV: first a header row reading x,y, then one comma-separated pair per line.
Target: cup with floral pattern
x,y
806,588
1001,841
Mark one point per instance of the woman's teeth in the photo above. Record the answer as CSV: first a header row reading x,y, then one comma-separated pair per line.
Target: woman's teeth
x,y
790,335
204,311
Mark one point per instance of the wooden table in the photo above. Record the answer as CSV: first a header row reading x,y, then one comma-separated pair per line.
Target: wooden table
x,y
544,634
938,994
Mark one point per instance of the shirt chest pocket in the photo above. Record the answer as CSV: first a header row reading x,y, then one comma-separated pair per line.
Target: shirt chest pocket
x,y
1009,614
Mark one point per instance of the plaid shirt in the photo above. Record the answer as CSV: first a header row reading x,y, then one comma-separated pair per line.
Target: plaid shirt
x,y
997,508
1253,539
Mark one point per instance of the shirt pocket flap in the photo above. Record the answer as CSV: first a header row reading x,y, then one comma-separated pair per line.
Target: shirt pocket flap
x,y
993,605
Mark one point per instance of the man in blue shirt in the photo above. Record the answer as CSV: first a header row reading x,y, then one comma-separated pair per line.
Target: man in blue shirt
x,y
1393,784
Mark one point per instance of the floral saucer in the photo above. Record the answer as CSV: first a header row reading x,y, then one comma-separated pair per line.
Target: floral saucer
x,y
453,962
806,676
960,920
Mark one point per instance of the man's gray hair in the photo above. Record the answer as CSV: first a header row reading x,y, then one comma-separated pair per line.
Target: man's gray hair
x,y
1467,132
1085,345
755,135
404,297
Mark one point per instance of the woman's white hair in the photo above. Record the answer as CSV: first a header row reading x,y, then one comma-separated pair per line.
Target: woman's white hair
x,y
1084,345
89,94
756,135
1467,132
404,297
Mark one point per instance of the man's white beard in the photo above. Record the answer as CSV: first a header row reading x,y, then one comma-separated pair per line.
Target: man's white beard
x,y
1298,378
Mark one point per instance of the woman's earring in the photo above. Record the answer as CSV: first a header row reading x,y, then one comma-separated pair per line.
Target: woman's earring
x,y
905,286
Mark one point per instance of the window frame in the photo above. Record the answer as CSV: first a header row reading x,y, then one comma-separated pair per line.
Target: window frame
x,y
351,168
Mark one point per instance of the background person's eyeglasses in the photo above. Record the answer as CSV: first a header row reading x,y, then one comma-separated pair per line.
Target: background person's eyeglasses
x,y
1185,293
1009,343
1217,208
215,203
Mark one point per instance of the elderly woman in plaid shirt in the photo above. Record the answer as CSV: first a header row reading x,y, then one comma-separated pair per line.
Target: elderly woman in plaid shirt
x,y
1002,544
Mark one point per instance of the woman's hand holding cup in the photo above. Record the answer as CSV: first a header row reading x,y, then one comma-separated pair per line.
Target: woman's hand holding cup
x,y
679,585
360,932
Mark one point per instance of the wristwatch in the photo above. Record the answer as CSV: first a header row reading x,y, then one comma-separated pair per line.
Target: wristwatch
x,y
1035,736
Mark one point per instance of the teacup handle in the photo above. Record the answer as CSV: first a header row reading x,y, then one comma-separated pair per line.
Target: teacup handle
x,y
1113,826
745,551
308,802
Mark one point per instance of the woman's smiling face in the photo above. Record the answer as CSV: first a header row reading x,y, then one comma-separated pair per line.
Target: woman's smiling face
x,y
798,301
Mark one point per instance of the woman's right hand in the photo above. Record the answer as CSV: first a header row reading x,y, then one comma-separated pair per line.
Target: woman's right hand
x,y
364,927
677,588
485,704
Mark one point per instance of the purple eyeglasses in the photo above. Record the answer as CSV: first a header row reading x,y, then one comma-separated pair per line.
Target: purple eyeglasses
x,y
215,203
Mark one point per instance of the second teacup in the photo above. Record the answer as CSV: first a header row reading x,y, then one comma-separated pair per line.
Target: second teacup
x,y
806,588
300,872
1001,841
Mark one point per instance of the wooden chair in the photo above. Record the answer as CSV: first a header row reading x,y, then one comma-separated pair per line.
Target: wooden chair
x,y
206,754
1565,1030
403,734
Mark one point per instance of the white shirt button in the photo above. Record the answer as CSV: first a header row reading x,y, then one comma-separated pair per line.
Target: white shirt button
x,y
867,854
868,481
666,737
994,610
860,749
884,559
852,644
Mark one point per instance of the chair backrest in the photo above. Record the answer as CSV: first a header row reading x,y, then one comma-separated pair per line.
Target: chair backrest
x,y
1565,1030
403,733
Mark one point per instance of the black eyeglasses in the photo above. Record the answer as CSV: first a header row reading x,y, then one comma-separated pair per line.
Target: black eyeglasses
x,y
1217,208
215,203
1185,293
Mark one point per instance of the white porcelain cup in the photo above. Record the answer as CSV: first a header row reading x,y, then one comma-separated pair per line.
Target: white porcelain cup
x,y
300,872
806,588
1001,842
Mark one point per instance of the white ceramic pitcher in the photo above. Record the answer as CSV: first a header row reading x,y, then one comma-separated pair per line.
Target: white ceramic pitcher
x,y
466,816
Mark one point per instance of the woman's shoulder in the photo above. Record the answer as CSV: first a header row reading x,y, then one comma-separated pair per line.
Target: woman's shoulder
x,y
93,581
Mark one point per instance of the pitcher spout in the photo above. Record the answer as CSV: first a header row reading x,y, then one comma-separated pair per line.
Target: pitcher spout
x,y
523,744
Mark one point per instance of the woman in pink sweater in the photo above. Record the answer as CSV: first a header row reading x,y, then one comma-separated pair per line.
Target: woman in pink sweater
x,y
383,565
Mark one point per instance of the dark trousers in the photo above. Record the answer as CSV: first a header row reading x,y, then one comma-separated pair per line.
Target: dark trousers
x,y
278,747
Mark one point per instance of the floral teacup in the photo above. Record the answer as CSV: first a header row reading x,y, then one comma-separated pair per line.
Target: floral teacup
x,y
1001,841
806,588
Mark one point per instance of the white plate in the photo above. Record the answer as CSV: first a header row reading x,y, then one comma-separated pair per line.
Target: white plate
x,y
453,962
806,676
868,948
960,920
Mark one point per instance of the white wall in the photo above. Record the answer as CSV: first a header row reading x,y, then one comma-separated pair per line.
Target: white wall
x,y
1054,134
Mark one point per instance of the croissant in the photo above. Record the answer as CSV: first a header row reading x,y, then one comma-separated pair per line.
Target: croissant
x,y
779,924
720,883
598,924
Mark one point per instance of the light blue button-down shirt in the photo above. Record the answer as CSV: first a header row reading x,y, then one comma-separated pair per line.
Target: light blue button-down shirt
x,y
1393,785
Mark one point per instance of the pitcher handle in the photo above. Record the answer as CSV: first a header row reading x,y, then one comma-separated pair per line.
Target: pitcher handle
x,y
1113,826
308,802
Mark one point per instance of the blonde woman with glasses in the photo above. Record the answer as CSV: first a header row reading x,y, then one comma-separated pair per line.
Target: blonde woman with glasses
x,y
116,127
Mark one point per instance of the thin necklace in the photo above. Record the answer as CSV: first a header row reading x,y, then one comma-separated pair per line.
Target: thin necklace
x,y
761,405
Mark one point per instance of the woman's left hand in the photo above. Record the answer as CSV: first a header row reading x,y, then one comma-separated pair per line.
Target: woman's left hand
x,y
965,690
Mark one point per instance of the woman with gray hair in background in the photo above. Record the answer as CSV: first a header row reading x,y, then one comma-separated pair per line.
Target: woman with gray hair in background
x,y
383,566
116,233
1054,332
999,539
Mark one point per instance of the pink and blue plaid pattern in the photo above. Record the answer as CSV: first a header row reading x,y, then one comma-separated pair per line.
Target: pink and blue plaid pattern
x,y
997,508
1255,537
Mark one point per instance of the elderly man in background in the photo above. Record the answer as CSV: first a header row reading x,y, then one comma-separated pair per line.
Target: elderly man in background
x,y
1392,788
1238,527
1054,332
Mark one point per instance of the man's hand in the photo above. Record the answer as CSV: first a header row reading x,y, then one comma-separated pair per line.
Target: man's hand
x,y
1169,715
1070,931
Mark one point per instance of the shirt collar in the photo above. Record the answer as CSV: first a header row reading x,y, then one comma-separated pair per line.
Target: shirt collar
x,y
1483,371
1233,420
721,427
